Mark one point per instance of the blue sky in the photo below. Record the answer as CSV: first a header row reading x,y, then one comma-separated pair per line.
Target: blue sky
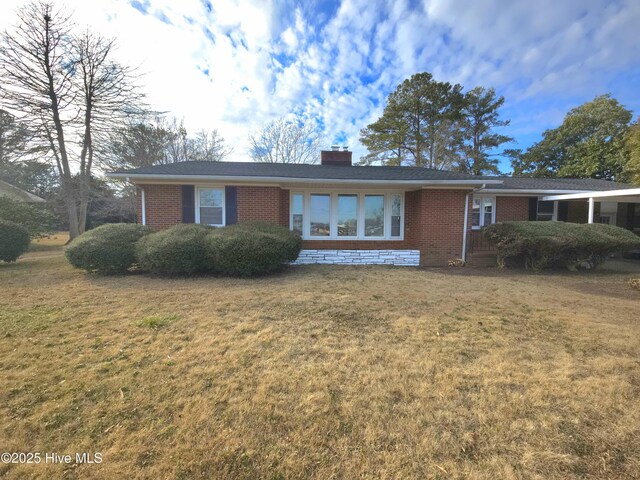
x,y
235,65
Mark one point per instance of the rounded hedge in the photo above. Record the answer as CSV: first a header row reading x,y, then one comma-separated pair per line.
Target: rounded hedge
x,y
540,245
249,249
107,249
175,251
14,240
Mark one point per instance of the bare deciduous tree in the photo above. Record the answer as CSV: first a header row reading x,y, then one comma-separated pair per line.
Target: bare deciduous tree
x,y
285,141
209,146
70,93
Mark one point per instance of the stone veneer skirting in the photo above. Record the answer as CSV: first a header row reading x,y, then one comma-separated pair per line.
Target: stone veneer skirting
x,y
409,258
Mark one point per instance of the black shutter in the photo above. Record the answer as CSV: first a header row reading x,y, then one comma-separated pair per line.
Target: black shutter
x,y
533,208
231,205
188,204
563,211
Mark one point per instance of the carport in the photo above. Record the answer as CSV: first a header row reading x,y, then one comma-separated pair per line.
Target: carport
x,y
628,196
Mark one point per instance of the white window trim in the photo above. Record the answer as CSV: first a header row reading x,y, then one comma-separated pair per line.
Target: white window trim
x,y
554,217
493,210
333,214
224,204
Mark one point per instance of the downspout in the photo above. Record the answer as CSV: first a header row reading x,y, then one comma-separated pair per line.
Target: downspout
x,y
464,232
144,208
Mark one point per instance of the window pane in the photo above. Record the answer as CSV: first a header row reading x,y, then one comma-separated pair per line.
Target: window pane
x,y
296,212
475,213
319,210
211,215
374,215
488,211
347,215
296,204
396,213
297,223
545,211
211,197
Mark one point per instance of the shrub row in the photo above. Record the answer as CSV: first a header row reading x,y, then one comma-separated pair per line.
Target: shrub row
x,y
14,240
244,249
539,245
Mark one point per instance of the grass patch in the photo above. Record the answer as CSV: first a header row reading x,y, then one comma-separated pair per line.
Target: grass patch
x,y
326,372
156,322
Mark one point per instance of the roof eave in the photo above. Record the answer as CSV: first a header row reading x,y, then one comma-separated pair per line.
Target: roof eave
x,y
147,177
628,192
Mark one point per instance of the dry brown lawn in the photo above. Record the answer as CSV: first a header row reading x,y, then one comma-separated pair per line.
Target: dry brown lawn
x,y
320,372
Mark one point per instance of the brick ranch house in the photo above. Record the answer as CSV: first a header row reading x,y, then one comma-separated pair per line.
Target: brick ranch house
x,y
356,214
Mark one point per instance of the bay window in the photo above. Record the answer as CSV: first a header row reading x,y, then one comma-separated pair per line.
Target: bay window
x,y
210,206
347,215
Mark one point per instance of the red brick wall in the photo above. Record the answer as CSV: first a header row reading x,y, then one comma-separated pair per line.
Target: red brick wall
x,y
512,208
284,208
260,203
438,235
163,205
433,220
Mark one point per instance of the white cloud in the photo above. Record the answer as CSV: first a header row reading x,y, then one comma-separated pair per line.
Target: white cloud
x,y
246,62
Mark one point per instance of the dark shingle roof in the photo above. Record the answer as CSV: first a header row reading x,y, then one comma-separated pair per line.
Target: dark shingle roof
x,y
283,170
361,173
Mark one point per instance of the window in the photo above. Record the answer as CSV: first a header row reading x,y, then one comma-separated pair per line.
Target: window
x,y
320,214
396,214
546,211
374,215
347,215
210,208
482,211
297,214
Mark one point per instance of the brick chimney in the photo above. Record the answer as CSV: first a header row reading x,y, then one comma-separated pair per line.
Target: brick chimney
x,y
335,156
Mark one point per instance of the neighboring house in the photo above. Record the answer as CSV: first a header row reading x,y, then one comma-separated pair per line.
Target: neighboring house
x,y
15,193
357,214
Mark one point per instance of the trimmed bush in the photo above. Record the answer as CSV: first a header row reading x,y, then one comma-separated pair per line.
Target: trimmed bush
x,y
107,249
14,240
252,248
37,218
178,250
540,245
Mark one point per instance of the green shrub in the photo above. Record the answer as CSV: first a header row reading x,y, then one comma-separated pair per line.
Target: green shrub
x,y
540,245
14,240
248,249
37,218
292,241
107,249
177,250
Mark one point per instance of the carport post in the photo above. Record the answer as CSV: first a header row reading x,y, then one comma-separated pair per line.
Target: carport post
x,y
592,205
